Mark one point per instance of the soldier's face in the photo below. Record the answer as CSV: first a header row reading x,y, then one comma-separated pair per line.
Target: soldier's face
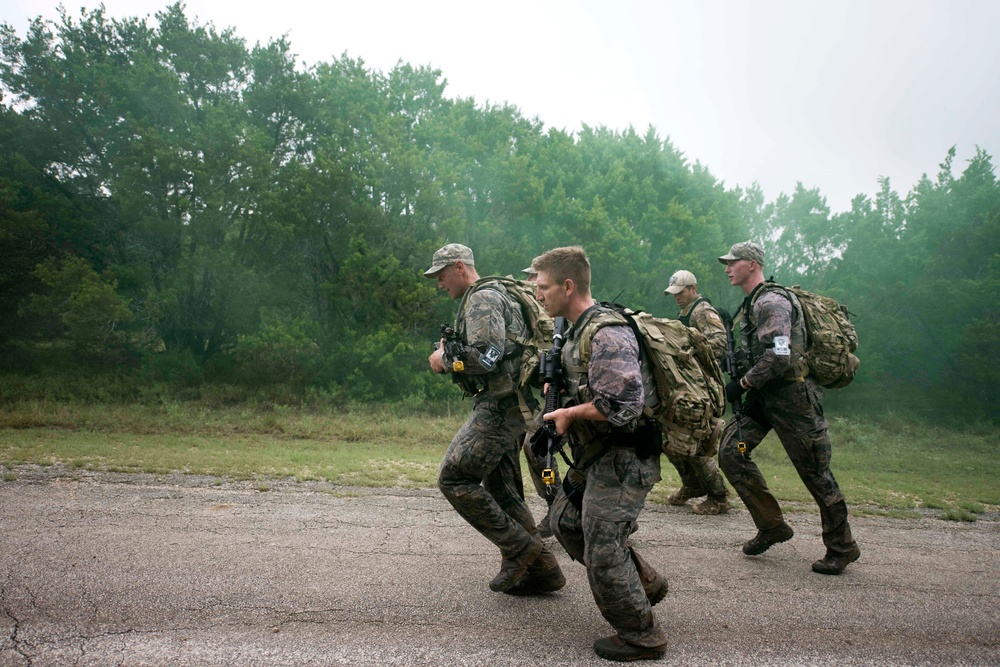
x,y
551,294
738,271
450,281
685,297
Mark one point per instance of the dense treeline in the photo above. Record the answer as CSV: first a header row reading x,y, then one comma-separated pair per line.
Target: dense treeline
x,y
186,210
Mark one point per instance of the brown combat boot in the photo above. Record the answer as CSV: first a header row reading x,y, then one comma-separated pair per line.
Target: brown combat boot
x,y
544,576
514,570
682,495
765,539
616,648
836,563
711,507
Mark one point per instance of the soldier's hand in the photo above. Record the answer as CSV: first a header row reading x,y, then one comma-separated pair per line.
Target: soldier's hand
x,y
734,391
562,418
436,360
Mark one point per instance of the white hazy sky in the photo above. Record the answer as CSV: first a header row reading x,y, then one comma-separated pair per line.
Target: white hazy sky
x,y
832,93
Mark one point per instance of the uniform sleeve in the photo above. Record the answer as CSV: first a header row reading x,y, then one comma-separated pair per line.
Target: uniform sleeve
x,y
485,330
707,320
613,375
773,313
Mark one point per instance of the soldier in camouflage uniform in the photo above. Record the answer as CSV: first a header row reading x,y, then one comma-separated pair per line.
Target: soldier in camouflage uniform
x,y
616,459
781,395
481,471
697,468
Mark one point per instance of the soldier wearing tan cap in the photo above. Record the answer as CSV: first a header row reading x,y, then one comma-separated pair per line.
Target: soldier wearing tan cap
x,y
697,468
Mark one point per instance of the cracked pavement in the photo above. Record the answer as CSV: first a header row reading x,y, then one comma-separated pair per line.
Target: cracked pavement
x,y
116,569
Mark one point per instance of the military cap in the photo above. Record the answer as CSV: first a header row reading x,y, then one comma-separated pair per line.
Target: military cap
x,y
448,255
744,250
679,281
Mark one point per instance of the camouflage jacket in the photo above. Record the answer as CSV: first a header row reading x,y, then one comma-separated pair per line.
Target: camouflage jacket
x,y
772,335
486,321
612,379
705,318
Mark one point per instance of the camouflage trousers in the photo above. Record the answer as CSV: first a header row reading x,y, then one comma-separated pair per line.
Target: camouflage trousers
x,y
597,536
700,474
481,475
795,411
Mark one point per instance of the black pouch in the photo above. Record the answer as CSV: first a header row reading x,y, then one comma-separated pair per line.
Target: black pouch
x,y
646,439
754,409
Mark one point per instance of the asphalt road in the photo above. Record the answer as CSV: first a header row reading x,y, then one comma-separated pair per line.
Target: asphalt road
x,y
138,570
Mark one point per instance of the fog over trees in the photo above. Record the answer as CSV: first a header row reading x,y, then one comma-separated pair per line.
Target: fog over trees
x,y
178,208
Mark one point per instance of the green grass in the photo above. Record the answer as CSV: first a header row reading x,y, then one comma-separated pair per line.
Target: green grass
x,y
887,466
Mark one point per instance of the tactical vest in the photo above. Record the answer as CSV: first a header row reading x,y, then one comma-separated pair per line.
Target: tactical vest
x,y
754,349
576,370
502,381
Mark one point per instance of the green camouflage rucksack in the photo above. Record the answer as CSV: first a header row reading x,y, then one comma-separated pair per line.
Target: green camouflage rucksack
x,y
684,389
540,325
830,337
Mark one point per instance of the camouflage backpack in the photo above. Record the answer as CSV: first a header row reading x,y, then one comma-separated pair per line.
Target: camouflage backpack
x,y
684,389
830,337
540,325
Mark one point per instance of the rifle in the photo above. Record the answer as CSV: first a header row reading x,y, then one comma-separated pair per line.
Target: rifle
x,y
453,348
552,375
729,366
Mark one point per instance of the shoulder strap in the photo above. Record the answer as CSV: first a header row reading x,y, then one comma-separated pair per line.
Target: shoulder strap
x,y
593,321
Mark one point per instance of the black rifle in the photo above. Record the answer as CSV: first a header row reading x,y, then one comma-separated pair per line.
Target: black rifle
x,y
730,367
552,375
453,348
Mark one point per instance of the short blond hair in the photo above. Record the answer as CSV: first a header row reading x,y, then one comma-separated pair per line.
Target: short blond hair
x,y
568,263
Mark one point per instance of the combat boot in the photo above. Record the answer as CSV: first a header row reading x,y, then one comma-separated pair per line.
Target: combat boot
x,y
765,539
682,495
514,570
836,563
544,576
711,506
616,648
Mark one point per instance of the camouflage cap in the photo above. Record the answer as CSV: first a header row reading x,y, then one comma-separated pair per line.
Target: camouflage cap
x,y
448,255
679,281
531,270
744,250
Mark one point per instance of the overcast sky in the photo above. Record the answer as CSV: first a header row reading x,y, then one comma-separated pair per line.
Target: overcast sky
x,y
833,94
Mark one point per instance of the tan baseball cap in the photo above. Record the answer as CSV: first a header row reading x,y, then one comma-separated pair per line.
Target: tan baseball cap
x,y
448,255
744,250
679,281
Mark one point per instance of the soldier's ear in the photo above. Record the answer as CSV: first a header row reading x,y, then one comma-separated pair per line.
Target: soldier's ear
x,y
569,286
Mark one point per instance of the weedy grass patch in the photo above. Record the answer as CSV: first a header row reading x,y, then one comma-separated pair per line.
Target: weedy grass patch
x,y
888,465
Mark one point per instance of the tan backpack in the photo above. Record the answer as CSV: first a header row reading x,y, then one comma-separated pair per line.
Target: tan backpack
x,y
684,388
830,337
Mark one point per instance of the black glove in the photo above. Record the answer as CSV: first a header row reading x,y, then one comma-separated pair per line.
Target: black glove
x,y
734,391
540,442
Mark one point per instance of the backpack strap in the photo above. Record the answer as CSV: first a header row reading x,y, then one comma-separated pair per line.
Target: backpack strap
x,y
498,284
